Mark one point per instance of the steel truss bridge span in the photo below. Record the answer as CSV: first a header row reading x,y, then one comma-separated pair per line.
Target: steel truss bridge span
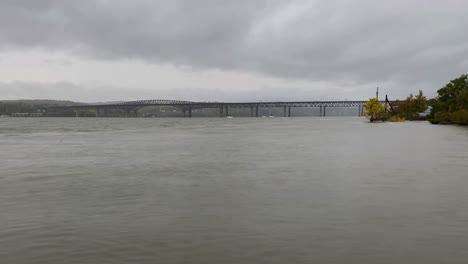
x,y
186,107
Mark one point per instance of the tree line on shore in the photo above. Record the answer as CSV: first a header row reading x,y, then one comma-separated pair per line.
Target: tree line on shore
x,y
451,104
449,107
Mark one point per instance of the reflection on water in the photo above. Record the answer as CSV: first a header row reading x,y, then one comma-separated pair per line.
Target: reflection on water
x,y
275,190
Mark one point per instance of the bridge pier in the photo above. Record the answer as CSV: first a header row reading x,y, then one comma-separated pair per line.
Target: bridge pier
x,y
289,111
323,110
284,110
183,112
256,111
129,112
221,111
227,110
251,111
190,112
100,112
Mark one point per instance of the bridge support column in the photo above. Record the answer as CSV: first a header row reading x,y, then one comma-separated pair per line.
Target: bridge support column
x,y
256,111
324,110
227,110
289,111
221,111
135,113
251,111
284,110
101,112
320,110
190,112
183,112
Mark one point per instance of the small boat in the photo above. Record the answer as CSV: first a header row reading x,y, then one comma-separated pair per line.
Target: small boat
x,y
229,117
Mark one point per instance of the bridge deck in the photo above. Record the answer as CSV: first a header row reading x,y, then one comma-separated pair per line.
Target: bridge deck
x,y
131,107
189,104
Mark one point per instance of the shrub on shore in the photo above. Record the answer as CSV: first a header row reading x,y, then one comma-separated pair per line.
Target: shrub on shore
x,y
375,110
395,118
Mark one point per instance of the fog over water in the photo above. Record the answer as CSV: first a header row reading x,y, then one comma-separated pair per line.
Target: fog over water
x,y
241,190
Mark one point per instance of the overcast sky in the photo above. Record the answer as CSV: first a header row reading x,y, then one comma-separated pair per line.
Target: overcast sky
x,y
239,50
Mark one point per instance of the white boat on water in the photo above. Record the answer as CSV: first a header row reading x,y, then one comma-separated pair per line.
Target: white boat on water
x,y
229,117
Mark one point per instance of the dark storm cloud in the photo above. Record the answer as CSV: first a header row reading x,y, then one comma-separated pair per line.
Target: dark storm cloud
x,y
402,42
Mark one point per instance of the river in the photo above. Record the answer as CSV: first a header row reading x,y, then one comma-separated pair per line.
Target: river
x,y
240,190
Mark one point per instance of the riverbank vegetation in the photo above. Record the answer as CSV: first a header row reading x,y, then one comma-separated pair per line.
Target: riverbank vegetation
x,y
449,107
451,104
398,111
395,118
412,107
375,110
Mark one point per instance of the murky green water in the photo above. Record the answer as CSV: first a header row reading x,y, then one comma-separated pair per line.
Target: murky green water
x,y
242,190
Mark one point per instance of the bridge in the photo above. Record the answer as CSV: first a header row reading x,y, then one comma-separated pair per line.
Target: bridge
x,y
131,107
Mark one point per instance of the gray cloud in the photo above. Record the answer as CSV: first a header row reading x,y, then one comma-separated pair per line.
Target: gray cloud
x,y
86,93
402,43
36,90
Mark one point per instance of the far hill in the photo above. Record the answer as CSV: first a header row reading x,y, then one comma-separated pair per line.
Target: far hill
x,y
7,107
